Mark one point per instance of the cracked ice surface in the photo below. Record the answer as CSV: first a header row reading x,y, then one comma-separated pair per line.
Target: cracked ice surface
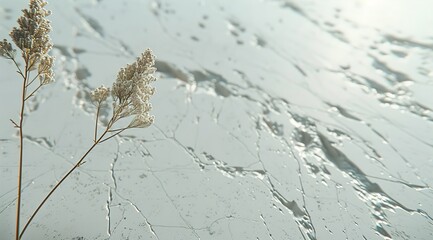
x,y
275,119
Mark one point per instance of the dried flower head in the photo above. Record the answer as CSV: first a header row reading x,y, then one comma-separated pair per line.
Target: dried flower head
x,y
141,121
131,90
100,94
6,49
31,35
45,70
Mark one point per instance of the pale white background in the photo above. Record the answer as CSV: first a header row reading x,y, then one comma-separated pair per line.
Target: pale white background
x,y
274,120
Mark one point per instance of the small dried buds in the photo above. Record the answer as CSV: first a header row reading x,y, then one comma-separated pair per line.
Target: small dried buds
x,y
31,36
6,49
100,94
131,91
45,70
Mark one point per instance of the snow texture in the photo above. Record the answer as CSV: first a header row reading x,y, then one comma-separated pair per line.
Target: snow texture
x,y
274,119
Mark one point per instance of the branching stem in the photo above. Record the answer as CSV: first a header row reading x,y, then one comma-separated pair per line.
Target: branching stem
x,y
79,163
31,94
14,123
119,131
37,75
20,162
18,67
96,122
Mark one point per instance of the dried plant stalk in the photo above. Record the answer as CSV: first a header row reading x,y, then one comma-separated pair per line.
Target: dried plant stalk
x,y
31,37
130,92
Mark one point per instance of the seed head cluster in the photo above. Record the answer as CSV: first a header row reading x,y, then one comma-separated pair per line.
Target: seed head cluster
x,y
6,50
31,36
100,94
131,91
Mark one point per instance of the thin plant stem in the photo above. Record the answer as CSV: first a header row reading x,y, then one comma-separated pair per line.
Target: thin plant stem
x,y
96,122
79,162
32,65
31,94
14,123
120,131
33,79
18,67
20,162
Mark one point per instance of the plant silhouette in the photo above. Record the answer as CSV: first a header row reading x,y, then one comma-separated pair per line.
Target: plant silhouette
x,y
130,92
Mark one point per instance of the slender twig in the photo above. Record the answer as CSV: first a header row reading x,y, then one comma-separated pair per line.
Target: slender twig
x,y
120,130
79,163
31,65
18,67
31,94
96,122
37,75
14,123
20,162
